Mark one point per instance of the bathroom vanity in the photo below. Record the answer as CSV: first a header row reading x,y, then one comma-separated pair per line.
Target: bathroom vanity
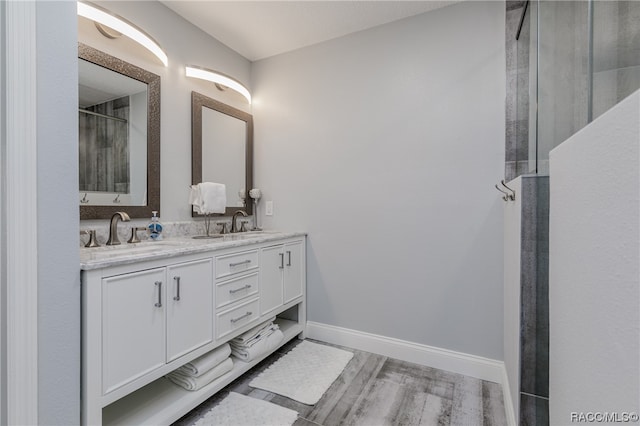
x,y
151,307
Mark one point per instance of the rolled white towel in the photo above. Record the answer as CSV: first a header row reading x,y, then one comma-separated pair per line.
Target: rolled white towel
x,y
261,347
206,362
192,383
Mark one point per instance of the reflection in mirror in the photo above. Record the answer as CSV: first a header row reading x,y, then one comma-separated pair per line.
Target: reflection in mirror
x,y
119,136
222,149
113,136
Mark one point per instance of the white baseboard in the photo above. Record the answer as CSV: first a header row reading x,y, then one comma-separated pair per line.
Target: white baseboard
x,y
443,359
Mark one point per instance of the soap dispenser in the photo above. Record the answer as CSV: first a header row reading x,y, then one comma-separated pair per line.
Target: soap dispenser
x,y
155,227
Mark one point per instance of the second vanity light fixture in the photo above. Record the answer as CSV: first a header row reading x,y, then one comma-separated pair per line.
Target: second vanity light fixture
x,y
121,25
218,78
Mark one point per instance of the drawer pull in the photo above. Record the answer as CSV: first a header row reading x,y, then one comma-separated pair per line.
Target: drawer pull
x,y
158,304
231,265
246,287
235,320
177,296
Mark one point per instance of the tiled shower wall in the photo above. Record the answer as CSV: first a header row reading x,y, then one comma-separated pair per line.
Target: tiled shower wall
x,y
534,301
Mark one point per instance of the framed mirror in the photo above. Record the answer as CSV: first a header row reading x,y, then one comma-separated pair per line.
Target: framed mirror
x,y
119,136
222,150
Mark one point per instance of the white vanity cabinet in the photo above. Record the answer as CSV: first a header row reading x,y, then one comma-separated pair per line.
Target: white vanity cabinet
x,y
133,327
189,302
282,275
152,317
145,315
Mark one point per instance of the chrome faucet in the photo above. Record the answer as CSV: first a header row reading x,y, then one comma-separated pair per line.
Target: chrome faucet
x,y
113,227
234,228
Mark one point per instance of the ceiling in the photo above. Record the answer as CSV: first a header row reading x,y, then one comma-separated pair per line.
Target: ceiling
x,y
260,29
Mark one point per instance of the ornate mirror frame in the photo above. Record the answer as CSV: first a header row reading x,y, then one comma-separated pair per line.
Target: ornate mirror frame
x,y
153,134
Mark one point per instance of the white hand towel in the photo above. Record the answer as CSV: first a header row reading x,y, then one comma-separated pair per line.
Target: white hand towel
x,y
192,383
214,197
206,362
260,348
195,198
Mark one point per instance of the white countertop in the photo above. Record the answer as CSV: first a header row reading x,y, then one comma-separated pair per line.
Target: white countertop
x,y
106,256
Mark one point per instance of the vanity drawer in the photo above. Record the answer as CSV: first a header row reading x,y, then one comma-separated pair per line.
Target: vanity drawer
x,y
235,289
229,321
236,262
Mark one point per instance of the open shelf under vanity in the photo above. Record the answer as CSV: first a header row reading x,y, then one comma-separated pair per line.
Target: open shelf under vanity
x,y
162,402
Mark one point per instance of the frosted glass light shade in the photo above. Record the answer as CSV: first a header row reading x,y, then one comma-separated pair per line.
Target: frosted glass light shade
x,y
120,25
216,77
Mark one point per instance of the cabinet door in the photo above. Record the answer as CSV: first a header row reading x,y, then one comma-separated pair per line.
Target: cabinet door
x,y
133,326
189,307
271,268
293,270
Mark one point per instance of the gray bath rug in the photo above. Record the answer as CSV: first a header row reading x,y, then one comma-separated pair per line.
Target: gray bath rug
x,y
305,373
237,409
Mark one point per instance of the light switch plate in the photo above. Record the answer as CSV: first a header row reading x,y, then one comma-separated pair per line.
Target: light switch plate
x,y
268,208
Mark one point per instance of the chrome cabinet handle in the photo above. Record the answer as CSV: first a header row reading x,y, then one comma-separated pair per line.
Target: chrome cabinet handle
x,y
289,254
248,286
159,302
235,320
177,296
281,260
231,265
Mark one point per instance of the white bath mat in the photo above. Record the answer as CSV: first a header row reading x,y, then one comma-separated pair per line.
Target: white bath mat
x,y
305,373
237,409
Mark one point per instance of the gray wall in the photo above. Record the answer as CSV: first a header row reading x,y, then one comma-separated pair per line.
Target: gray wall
x,y
594,284
385,145
58,275
512,294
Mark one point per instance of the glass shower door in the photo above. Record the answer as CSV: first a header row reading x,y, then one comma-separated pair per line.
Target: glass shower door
x,y
563,74
575,60
616,53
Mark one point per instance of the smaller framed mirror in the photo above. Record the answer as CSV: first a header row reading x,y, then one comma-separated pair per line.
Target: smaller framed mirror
x,y
119,136
222,150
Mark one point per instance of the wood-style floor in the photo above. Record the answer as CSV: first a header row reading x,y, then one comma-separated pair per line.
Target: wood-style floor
x,y
374,390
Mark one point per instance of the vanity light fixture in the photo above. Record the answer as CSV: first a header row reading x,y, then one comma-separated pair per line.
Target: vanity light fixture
x,y
103,17
218,78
